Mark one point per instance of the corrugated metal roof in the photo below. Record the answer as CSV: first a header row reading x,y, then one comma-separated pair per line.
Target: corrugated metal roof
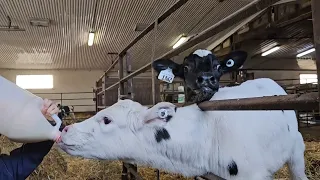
x,y
292,40
63,45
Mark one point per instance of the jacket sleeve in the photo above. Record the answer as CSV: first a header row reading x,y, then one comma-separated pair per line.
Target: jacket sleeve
x,y
24,160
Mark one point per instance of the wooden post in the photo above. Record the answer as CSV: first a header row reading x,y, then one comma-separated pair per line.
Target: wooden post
x,y
315,4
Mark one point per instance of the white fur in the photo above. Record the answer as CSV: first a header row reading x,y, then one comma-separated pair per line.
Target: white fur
x,y
202,52
257,141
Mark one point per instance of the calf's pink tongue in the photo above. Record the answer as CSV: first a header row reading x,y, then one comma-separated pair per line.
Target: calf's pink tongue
x,y
58,138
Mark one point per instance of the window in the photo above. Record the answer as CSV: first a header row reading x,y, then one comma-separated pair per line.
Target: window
x,y
35,81
308,78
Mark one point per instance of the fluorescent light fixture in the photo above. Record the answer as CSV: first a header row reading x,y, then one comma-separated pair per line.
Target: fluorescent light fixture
x,y
91,38
306,52
270,51
182,40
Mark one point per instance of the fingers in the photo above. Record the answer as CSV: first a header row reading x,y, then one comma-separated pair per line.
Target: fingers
x,y
49,108
53,109
46,104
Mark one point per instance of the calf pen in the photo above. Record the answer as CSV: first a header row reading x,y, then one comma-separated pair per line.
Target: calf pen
x,y
82,102
306,102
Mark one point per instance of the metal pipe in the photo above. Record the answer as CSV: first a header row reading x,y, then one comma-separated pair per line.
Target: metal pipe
x,y
124,175
79,105
110,67
71,99
66,93
256,69
248,10
121,87
152,59
303,102
96,103
130,81
132,171
104,95
12,29
315,4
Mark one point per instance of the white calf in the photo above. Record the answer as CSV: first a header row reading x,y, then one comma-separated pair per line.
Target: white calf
x,y
248,145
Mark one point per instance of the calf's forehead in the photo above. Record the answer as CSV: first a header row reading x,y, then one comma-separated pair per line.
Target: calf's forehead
x,y
122,107
201,64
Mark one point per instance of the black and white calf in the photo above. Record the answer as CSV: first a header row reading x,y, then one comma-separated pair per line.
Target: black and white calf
x,y
201,72
235,145
66,111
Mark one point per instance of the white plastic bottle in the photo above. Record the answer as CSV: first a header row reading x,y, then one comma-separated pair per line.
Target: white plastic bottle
x,y
21,119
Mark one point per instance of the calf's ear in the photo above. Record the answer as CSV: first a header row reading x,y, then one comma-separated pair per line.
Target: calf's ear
x,y
233,61
162,64
159,114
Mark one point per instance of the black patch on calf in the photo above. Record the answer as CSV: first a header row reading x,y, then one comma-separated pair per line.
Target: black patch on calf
x,y
282,111
175,109
168,118
162,134
233,168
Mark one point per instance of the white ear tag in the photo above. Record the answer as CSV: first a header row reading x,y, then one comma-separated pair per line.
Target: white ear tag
x,y
166,75
162,113
230,63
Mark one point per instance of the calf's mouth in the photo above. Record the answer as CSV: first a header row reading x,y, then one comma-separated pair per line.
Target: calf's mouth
x,y
204,94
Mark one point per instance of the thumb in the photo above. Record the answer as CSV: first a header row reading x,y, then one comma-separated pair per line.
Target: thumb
x,y
43,109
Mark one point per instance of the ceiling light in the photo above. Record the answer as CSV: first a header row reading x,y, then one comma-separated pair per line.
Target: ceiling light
x,y
91,38
270,51
306,52
39,22
182,40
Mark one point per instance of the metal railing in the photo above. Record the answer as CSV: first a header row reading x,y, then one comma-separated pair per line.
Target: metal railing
x,y
79,100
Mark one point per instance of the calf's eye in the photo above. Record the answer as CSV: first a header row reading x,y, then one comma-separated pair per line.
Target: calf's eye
x,y
106,120
230,63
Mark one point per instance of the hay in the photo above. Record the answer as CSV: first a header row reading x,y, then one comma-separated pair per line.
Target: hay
x,y
59,165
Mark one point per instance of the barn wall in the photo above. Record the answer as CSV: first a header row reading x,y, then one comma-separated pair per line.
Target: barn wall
x,y
64,81
83,81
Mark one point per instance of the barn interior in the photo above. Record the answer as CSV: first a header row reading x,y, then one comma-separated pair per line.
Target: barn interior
x,y
75,52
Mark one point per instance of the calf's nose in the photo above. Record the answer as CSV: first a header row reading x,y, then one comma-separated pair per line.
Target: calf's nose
x,y
206,80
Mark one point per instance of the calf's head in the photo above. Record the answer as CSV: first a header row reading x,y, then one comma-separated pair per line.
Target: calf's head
x,y
159,136
201,70
126,131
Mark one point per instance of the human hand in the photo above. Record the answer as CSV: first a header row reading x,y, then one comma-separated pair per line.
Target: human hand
x,y
49,108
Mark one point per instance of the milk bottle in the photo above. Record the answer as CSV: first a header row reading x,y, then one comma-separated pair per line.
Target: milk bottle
x,y
21,119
